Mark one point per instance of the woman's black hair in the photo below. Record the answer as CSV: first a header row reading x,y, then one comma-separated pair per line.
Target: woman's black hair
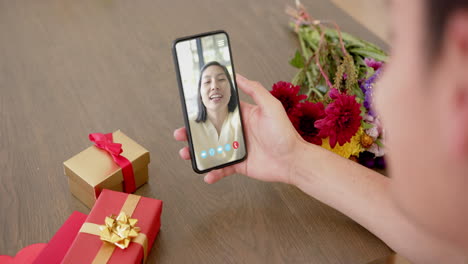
x,y
232,101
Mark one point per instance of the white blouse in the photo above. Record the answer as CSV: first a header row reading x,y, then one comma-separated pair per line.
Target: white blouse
x,y
212,149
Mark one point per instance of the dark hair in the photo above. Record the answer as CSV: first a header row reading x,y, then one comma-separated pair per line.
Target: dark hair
x,y
438,13
232,101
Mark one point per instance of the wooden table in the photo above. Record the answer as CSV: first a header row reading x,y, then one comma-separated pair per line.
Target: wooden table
x,y
68,68
373,14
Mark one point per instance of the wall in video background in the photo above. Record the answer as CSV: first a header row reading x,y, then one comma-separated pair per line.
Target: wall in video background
x,y
192,55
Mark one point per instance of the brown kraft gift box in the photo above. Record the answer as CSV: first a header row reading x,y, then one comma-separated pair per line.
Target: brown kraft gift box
x,y
94,169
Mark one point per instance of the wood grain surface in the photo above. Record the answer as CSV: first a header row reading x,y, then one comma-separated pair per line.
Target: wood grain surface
x,y
69,68
373,14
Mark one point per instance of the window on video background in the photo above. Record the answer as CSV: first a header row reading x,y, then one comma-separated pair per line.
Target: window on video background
x,y
211,100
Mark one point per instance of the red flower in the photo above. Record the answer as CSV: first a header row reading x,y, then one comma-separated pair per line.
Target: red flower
x,y
303,118
342,119
287,93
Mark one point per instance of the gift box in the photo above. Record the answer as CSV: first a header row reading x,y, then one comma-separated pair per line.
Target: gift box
x,y
58,246
25,256
114,162
54,251
121,228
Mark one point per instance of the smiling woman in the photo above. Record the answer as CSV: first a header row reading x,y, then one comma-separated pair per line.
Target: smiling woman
x,y
216,94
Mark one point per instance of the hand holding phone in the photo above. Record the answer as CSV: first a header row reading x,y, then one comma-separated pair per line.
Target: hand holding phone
x,y
274,146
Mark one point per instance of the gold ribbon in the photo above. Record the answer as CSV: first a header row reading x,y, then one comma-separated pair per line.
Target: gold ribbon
x,y
118,231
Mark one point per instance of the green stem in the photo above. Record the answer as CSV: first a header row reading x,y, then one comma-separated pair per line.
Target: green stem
x,y
311,87
303,48
295,80
309,77
317,92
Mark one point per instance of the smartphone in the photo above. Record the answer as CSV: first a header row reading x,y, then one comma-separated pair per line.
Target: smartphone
x,y
210,100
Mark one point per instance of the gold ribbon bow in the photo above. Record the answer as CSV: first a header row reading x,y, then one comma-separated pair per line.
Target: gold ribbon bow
x,y
119,230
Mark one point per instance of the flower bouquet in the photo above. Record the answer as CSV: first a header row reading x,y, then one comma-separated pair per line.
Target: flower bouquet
x,y
329,100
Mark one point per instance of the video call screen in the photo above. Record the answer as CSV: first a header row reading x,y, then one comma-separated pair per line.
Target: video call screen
x,y
211,100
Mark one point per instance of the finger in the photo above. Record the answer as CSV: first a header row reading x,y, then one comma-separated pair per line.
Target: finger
x,y
246,105
184,153
180,134
245,109
259,94
216,175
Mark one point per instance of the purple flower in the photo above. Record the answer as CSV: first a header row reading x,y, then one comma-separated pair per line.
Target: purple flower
x,y
369,160
380,163
367,88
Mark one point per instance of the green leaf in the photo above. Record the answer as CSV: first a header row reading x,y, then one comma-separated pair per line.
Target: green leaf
x,y
297,61
352,41
356,90
370,72
379,143
363,111
369,53
366,125
312,39
359,61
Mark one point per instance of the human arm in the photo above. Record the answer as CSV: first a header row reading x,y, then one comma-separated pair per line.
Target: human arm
x,y
365,196
277,153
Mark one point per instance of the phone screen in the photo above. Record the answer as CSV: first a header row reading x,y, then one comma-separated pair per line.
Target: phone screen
x,y
210,100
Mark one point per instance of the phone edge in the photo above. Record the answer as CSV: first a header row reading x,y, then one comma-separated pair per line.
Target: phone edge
x,y
184,107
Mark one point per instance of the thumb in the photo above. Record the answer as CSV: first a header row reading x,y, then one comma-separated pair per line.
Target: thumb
x,y
259,94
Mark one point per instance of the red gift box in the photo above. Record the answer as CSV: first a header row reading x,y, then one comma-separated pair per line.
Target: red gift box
x,y
62,240
88,246
25,256
55,250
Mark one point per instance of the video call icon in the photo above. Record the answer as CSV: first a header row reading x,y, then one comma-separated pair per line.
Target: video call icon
x,y
212,151
220,149
227,147
203,154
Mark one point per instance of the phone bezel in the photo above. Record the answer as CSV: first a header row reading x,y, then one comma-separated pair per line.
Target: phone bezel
x,y
184,106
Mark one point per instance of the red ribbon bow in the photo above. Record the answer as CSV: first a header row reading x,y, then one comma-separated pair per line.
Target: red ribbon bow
x,y
106,142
